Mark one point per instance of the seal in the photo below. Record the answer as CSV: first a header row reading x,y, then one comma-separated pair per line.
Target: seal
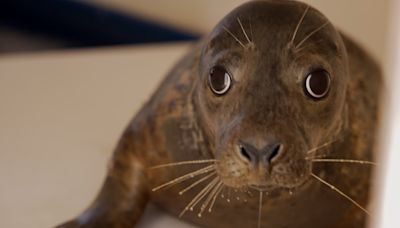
x,y
268,121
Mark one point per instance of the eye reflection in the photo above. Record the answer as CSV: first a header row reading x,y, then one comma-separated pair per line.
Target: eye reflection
x,y
317,84
219,80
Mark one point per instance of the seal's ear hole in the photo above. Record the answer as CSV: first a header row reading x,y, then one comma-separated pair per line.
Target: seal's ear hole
x,y
219,80
317,84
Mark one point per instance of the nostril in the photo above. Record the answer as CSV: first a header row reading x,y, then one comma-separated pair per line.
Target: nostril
x,y
253,155
244,153
274,152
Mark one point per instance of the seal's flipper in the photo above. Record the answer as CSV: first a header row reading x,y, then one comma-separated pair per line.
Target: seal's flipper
x,y
123,196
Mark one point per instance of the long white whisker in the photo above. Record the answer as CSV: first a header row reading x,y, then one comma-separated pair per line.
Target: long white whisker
x,y
299,24
340,193
196,183
209,198
244,31
215,198
199,196
234,37
321,146
319,156
185,177
212,185
333,160
312,33
184,163
260,209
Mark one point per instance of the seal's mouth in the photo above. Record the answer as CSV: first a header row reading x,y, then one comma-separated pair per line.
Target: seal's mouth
x,y
261,175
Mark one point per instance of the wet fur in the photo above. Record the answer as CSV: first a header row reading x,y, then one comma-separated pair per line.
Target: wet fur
x,y
183,119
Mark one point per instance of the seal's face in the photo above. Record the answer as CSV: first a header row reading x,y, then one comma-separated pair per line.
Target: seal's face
x,y
271,89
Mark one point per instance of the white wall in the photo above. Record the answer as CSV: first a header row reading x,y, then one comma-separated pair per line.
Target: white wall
x,y
387,212
365,20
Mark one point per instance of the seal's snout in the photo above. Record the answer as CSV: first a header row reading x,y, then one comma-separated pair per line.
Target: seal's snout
x,y
257,157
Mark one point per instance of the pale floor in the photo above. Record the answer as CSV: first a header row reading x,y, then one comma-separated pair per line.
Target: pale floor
x,y
61,113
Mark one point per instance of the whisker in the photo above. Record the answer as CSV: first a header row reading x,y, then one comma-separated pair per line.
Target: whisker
x,y
215,198
299,24
319,156
312,33
260,209
340,193
199,196
251,31
209,198
196,183
234,37
213,183
184,163
321,146
244,31
362,162
185,177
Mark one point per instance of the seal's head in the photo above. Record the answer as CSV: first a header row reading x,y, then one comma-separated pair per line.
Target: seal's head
x,y
272,86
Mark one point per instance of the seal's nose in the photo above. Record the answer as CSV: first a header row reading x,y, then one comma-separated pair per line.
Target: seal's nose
x,y
256,156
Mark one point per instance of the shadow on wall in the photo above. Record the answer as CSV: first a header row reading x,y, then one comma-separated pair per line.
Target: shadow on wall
x,y
51,24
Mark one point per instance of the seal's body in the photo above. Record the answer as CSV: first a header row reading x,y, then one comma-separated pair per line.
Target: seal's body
x,y
270,111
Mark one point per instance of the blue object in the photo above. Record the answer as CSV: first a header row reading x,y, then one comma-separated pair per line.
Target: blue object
x,y
81,24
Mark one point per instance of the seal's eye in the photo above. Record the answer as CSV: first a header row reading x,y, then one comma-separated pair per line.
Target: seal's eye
x,y
317,84
219,80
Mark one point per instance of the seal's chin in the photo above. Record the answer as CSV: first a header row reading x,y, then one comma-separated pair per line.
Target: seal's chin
x,y
262,188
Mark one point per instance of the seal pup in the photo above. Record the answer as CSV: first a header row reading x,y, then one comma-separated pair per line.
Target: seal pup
x,y
268,122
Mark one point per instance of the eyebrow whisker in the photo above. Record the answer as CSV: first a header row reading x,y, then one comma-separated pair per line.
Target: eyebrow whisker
x,y
299,24
244,31
234,37
311,33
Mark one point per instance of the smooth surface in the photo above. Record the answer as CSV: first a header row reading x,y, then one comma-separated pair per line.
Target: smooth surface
x,y
60,116
388,215
365,20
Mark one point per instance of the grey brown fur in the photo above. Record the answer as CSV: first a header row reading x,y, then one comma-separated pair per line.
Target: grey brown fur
x,y
268,53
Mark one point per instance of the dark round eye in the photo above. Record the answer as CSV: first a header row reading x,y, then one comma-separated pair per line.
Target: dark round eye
x,y
317,84
219,80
